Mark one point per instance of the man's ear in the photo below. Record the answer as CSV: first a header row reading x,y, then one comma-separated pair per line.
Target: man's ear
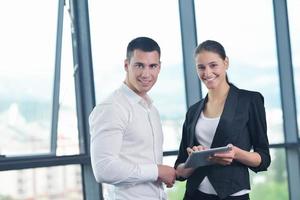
x,y
126,64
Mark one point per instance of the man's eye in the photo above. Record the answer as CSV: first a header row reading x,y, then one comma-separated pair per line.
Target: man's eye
x,y
153,66
139,65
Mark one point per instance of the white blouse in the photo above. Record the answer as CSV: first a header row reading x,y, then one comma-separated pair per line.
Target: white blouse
x,y
205,132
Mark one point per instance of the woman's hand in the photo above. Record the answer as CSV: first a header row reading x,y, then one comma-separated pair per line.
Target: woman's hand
x,y
181,171
251,159
224,158
195,148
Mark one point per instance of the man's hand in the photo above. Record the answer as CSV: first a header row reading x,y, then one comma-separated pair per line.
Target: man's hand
x,y
167,175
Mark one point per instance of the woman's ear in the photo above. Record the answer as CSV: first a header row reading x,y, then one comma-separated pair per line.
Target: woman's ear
x,y
226,62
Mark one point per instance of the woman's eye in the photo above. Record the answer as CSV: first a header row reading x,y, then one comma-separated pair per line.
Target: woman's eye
x,y
200,67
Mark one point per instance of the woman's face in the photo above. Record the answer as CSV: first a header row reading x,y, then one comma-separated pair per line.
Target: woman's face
x,y
211,69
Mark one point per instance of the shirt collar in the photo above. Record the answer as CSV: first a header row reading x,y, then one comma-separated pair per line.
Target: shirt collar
x,y
135,98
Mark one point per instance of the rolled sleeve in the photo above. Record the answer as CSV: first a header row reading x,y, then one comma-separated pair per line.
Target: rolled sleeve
x,y
107,126
258,128
149,172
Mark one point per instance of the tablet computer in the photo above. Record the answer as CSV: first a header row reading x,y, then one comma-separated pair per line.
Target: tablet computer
x,y
200,158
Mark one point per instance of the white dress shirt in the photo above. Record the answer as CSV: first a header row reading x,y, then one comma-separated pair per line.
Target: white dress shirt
x,y
126,145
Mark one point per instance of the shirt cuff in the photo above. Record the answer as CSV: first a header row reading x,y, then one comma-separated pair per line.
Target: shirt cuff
x,y
149,172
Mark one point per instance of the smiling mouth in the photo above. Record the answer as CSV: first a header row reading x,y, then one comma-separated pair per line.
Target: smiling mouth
x,y
210,78
144,82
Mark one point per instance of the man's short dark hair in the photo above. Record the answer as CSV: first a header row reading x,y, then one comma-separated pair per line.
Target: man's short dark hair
x,y
142,43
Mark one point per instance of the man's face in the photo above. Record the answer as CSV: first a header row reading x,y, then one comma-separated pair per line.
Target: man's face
x,y
142,71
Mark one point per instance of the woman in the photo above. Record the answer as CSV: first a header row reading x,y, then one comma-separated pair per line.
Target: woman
x,y
227,115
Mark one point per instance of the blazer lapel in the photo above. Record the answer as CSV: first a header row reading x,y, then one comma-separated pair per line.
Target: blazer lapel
x,y
195,117
222,135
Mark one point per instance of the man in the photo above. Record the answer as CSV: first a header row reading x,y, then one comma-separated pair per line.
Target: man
x,y
126,132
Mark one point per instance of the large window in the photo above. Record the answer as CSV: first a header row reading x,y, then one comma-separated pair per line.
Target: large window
x,y
112,31
27,71
26,75
38,118
245,41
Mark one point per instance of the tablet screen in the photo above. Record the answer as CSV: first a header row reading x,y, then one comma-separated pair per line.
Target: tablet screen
x,y
200,158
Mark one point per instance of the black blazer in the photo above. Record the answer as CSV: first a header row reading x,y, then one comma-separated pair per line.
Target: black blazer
x,y
243,124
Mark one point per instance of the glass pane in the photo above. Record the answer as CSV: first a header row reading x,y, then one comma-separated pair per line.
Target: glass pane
x,y
51,183
249,41
294,15
110,39
67,130
28,34
271,184
178,189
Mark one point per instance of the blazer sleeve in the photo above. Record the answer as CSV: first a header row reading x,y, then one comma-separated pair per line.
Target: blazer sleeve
x,y
258,132
182,154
